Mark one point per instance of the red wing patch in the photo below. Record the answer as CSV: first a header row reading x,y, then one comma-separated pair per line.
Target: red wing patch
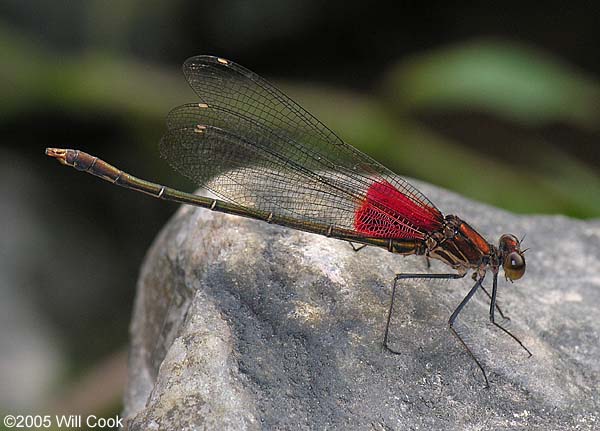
x,y
386,212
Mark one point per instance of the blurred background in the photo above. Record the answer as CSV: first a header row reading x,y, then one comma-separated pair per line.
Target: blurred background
x,y
500,104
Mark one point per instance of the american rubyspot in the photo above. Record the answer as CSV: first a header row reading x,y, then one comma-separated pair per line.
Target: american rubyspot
x,y
271,160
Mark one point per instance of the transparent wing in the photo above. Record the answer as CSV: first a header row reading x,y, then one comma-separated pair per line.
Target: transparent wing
x,y
254,146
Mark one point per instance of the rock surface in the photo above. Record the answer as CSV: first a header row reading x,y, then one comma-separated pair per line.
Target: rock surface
x,y
244,325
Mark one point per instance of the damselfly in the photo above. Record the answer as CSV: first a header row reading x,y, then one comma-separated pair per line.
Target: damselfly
x,y
269,159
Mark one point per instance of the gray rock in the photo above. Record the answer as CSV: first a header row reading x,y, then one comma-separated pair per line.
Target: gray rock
x,y
244,325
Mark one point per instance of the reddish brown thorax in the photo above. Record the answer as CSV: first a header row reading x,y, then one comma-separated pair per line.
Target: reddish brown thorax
x,y
462,247
458,245
477,240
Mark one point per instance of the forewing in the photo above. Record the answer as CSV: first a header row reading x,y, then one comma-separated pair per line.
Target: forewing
x,y
275,156
246,172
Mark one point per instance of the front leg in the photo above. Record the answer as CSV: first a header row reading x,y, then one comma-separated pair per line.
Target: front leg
x,y
495,303
492,319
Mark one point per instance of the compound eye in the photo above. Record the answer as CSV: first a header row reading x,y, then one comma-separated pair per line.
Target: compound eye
x,y
514,265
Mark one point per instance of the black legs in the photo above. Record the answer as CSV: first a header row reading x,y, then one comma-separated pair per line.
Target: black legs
x,y
454,315
355,248
492,306
404,277
495,303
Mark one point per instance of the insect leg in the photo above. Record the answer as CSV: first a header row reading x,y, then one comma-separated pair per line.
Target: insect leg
x,y
496,304
492,307
394,287
357,248
453,318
